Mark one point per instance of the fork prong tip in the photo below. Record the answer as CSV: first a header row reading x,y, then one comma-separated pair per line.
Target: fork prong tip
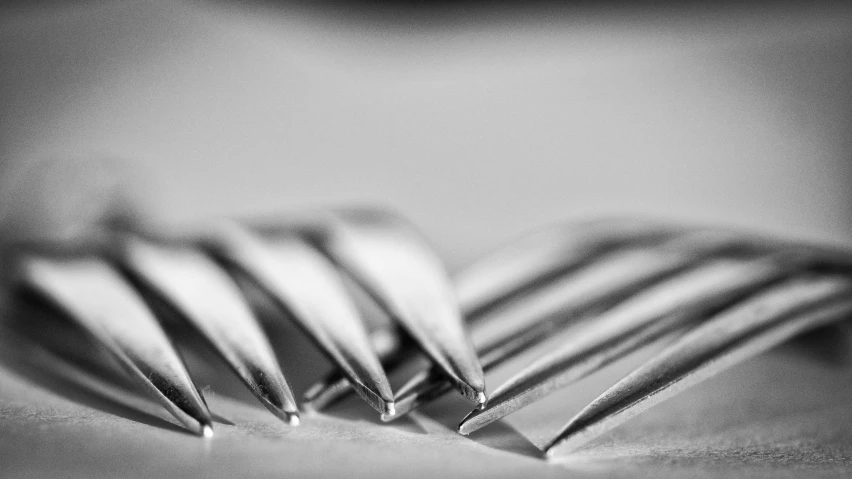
x,y
464,427
293,419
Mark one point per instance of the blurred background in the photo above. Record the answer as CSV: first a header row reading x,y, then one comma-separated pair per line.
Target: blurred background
x,y
477,120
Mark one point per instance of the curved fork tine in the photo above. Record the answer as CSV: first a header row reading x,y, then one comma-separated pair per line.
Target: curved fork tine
x,y
546,253
747,329
530,319
663,308
579,249
530,260
100,300
306,284
527,321
206,297
395,266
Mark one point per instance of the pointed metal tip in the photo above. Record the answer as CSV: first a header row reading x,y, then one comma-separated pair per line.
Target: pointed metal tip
x,y
401,407
469,423
310,289
206,297
484,415
293,419
290,415
382,401
392,263
274,393
474,391
189,409
95,295
285,414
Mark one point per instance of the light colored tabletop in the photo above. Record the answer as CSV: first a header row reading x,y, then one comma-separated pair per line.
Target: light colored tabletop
x,y
784,414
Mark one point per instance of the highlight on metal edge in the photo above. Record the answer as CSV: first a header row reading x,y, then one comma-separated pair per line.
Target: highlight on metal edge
x,y
602,288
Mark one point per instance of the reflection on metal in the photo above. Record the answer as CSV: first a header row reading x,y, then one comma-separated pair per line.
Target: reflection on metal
x,y
99,299
404,276
204,295
728,338
644,317
307,286
584,295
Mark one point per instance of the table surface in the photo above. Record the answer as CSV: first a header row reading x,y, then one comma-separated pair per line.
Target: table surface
x,y
783,414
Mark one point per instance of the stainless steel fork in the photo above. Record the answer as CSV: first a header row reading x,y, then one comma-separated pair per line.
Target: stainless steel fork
x,y
604,288
633,284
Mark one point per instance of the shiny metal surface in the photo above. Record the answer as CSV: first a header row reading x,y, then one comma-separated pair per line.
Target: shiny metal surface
x,y
99,299
617,289
205,296
530,319
393,263
501,276
308,287
649,314
545,253
595,279
729,338
526,321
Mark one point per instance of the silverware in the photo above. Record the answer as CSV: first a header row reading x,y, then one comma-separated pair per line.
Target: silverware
x,y
188,284
594,290
529,319
753,326
501,276
95,295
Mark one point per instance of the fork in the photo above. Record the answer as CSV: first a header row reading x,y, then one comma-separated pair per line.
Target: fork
x,y
626,293
604,287
118,278
725,309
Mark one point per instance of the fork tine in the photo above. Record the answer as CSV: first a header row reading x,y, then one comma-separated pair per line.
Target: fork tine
x,y
603,282
530,260
334,387
747,329
620,330
100,300
504,332
206,297
392,263
560,249
306,284
546,253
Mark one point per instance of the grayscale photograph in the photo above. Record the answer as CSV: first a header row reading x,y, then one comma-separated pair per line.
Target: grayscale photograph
x,y
425,239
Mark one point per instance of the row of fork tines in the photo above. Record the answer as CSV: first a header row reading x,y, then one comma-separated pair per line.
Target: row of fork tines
x,y
612,285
